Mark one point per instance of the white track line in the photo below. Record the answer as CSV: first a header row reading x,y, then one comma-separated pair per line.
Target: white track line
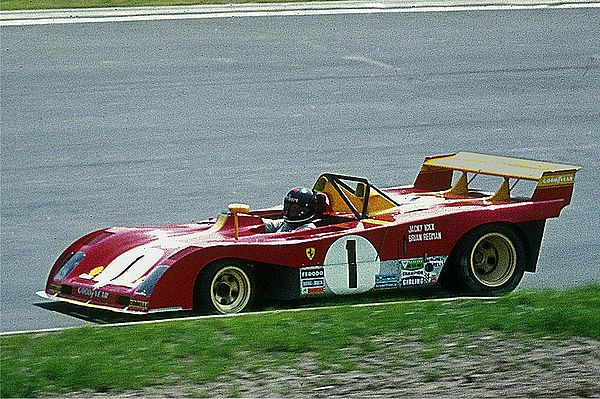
x,y
75,16
265,312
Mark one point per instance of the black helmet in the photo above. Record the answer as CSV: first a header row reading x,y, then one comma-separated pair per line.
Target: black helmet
x,y
299,205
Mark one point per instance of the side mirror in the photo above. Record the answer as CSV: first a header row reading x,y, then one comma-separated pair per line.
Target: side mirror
x,y
235,209
238,208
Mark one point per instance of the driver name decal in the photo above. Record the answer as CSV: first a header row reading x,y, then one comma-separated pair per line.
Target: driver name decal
x,y
423,232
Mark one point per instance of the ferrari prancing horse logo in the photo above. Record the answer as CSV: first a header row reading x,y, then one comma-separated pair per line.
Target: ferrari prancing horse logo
x,y
310,253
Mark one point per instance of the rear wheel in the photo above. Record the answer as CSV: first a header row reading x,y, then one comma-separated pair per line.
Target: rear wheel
x,y
226,287
489,260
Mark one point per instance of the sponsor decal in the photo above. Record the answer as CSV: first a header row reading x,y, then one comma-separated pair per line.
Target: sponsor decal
x,y
418,279
412,280
412,264
315,272
317,282
289,198
134,303
310,253
433,262
312,280
557,180
387,281
423,232
409,272
92,292
418,271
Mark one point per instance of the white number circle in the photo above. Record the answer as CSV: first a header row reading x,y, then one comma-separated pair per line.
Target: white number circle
x,y
351,264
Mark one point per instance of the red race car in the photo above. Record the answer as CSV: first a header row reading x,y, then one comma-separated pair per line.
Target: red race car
x,y
364,238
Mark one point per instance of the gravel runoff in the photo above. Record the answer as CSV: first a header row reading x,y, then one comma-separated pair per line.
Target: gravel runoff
x,y
485,367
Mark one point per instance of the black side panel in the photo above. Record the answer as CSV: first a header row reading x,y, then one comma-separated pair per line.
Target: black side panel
x,y
533,232
277,282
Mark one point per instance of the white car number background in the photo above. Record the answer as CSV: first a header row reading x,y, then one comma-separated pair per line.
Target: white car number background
x,y
339,265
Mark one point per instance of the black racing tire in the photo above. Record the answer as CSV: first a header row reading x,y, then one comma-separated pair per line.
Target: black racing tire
x,y
225,287
487,261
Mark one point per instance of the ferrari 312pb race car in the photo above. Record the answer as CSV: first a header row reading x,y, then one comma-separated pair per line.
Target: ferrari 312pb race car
x,y
440,229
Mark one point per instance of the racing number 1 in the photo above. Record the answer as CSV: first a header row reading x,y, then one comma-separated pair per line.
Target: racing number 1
x,y
352,272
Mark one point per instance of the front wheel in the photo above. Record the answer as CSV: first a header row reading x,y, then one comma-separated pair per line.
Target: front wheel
x,y
226,287
490,260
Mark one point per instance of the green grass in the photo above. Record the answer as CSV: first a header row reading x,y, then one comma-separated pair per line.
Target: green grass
x,y
57,4
190,352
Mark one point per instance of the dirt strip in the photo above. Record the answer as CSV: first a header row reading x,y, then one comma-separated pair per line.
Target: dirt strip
x,y
487,366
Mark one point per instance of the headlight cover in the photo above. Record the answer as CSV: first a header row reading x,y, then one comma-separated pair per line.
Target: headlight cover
x,y
147,286
69,265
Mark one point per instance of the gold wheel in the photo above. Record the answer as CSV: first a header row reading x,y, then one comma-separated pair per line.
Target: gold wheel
x,y
230,290
493,259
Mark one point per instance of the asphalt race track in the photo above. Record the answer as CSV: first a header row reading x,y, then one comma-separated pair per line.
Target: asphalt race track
x,y
169,121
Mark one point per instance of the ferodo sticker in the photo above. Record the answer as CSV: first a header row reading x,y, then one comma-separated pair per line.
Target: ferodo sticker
x,y
350,266
564,179
312,280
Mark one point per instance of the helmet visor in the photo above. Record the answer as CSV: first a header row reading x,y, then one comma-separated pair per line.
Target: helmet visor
x,y
294,212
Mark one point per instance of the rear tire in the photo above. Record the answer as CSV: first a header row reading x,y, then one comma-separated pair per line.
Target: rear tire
x,y
489,260
226,287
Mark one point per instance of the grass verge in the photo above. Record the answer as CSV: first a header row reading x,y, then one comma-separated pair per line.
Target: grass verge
x,y
131,357
58,4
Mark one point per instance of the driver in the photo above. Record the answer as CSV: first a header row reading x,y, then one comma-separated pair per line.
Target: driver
x,y
299,210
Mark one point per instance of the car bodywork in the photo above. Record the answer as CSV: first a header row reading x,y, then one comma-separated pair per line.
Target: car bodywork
x,y
366,239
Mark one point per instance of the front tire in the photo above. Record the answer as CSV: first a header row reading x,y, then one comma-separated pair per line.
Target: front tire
x,y
490,260
226,287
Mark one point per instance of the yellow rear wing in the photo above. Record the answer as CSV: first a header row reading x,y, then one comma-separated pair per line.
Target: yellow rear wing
x,y
553,180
